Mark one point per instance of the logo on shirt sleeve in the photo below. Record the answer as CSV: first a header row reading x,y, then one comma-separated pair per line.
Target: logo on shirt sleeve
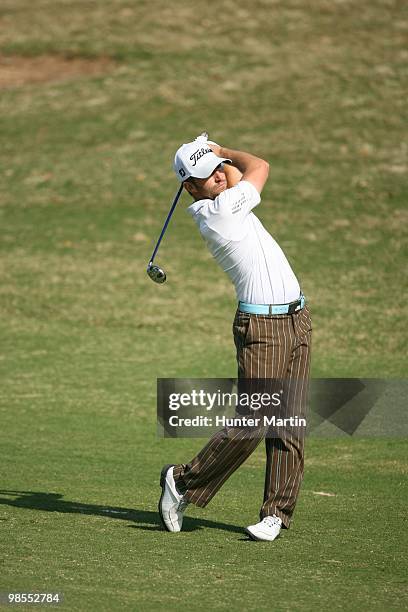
x,y
237,205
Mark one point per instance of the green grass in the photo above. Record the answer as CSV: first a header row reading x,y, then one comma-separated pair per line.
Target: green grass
x,y
86,182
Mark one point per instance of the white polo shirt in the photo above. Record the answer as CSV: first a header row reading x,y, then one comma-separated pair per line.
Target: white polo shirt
x,y
243,248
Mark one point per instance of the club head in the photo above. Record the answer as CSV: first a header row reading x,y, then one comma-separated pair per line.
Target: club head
x,y
156,273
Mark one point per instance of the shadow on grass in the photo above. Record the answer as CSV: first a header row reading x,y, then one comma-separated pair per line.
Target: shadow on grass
x,y
148,521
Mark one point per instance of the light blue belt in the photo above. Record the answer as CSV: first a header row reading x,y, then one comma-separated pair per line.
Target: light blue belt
x,y
273,309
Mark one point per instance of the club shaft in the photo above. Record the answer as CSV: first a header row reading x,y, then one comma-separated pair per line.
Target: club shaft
x,y
173,206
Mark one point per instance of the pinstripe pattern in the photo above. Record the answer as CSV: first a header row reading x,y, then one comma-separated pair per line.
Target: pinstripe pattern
x,y
268,347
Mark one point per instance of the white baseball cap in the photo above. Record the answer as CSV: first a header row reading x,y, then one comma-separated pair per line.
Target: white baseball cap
x,y
196,159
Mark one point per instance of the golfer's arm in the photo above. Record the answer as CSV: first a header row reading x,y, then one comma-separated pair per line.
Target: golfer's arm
x,y
253,169
232,174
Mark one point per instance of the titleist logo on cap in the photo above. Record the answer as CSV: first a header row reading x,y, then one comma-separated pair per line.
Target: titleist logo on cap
x,y
198,154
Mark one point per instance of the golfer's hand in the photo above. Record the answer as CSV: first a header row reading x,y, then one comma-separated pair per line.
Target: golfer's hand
x,y
203,139
215,147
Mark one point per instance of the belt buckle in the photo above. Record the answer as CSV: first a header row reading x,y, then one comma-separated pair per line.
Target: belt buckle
x,y
294,307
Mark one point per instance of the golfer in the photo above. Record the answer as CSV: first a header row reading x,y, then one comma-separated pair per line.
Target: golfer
x,y
272,334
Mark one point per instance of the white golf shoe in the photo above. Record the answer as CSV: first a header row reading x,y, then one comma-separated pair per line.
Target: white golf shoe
x,y
268,529
171,503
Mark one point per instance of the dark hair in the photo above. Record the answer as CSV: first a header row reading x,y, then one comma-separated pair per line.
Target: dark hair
x,y
191,179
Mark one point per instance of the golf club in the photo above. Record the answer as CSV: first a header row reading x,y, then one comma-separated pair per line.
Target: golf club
x,y
156,273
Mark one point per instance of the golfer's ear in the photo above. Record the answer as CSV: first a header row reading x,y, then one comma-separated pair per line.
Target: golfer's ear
x,y
189,187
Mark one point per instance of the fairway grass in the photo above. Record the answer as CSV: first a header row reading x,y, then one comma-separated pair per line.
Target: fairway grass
x,y
95,97
79,507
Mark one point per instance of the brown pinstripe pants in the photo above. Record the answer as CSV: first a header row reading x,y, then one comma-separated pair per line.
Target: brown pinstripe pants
x,y
268,347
